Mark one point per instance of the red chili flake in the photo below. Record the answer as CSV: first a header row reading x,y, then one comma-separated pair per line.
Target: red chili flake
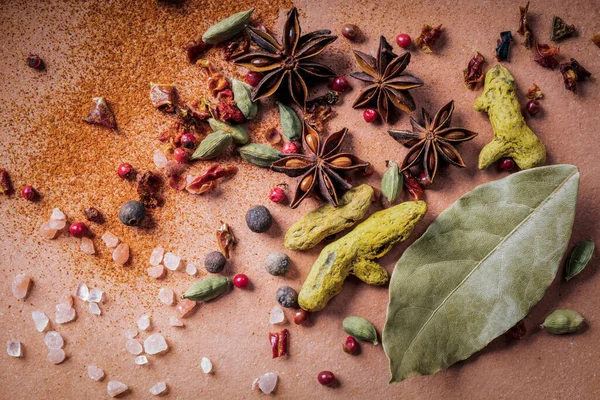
x,y
177,182
173,133
414,188
195,49
100,114
534,92
163,97
524,28
428,36
225,239
517,331
208,180
236,47
173,168
227,111
6,187
279,343
545,55
474,73
572,73
149,186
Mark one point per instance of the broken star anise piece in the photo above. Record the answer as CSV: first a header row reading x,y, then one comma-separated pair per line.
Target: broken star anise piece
x,y
322,166
288,62
432,140
388,84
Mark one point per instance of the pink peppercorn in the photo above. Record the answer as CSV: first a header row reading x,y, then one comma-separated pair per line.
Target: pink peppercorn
x,y
350,345
188,141
125,171
370,115
340,84
326,378
276,194
181,155
241,281
404,41
506,164
78,229
29,193
253,78
291,148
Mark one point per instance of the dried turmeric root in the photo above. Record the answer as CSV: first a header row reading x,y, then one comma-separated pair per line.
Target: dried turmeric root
x,y
512,136
355,254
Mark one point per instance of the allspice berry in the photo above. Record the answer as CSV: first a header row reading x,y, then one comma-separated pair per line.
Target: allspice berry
x,y
287,297
259,219
214,262
132,213
277,263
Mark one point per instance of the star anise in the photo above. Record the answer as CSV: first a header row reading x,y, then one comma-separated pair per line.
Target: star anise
x,y
433,140
287,62
388,85
322,166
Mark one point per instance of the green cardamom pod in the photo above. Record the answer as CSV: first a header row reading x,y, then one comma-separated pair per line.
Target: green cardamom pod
x,y
212,146
207,289
240,136
227,28
563,321
291,126
261,155
361,329
579,257
391,182
242,93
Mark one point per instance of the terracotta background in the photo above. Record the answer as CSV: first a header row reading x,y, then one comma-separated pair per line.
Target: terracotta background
x,y
114,49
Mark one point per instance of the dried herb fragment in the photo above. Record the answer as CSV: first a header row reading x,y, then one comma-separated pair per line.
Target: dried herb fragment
x,y
517,331
428,36
100,114
149,187
291,126
545,55
474,73
321,166
560,30
225,239
279,343
6,187
579,257
288,62
195,49
209,180
163,97
34,61
503,46
534,92
524,28
388,85
572,73
318,110
412,185
236,47
432,140
92,214
596,40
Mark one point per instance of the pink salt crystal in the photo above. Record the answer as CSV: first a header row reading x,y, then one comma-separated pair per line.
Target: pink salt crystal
x,y
155,344
174,321
13,348
110,240
141,360
47,232
156,256
121,254
67,299
64,313
267,382
58,215
133,347
20,286
165,295
54,340
159,158
94,309
115,388
95,296
158,389
82,291
57,224
40,320
130,333
156,272
56,356
172,261
185,307
95,373
143,323
87,246
191,269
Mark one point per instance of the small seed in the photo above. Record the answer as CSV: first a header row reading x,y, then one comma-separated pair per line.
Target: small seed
x,y
342,162
295,163
306,183
260,62
313,142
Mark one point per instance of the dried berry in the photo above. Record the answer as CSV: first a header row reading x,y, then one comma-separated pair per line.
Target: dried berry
x,y
370,115
125,171
404,41
326,378
340,84
533,107
93,215
506,164
253,78
78,229
276,194
188,141
277,263
29,193
259,219
350,31
215,262
287,297
241,281
132,213
350,345
291,148
300,316
181,155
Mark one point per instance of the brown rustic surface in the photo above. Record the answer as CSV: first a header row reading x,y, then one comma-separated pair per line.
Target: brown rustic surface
x,y
114,49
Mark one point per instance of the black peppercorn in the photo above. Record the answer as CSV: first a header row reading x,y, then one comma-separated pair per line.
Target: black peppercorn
x,y
259,219
214,262
132,213
287,297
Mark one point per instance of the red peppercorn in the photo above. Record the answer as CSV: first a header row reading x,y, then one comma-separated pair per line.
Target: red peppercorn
x,y
506,164
326,378
253,78
404,41
533,107
276,194
350,31
188,140
291,148
370,115
181,155
29,193
424,179
241,281
300,317
350,345
78,229
340,84
125,171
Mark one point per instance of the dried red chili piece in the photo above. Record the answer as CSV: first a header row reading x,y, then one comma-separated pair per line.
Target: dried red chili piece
x,y
517,331
412,185
545,55
6,187
474,73
236,47
163,97
428,37
208,180
149,186
524,27
225,239
100,114
195,49
572,73
279,343
226,109
216,80
534,92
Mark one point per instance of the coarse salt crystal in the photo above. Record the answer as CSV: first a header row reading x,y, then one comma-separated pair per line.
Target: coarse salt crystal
x,y
58,215
121,254
87,246
189,179
156,272
130,333
165,295
67,299
185,307
172,261
94,309
277,316
206,365
40,320
56,356
191,269
141,360
156,256
267,382
82,291
47,232
13,348
158,388
115,388
95,296
54,340
143,323
57,224
20,286
133,347
110,240
174,321
95,373
64,313
159,158
155,344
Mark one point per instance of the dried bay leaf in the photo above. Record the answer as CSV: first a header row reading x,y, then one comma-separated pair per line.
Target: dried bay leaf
x,y
478,269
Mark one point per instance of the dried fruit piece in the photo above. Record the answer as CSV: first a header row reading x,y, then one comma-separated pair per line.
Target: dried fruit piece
x,y
572,73
100,114
225,239
474,75
428,37
545,55
560,29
